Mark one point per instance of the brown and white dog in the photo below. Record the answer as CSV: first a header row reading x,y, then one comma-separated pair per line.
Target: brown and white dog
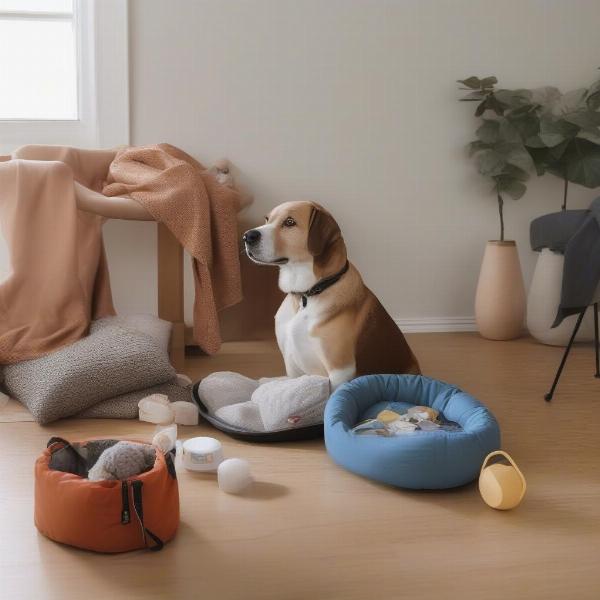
x,y
330,323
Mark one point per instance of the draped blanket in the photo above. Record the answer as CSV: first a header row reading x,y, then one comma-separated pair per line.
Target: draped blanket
x,y
56,278
576,233
201,213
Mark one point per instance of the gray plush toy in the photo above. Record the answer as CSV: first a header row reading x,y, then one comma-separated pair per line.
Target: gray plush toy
x,y
123,460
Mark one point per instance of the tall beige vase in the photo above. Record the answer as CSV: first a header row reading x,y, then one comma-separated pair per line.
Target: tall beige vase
x,y
500,299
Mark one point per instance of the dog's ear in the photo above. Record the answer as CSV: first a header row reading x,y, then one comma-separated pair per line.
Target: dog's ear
x,y
322,231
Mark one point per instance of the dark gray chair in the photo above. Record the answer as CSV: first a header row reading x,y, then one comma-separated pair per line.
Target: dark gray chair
x,y
576,234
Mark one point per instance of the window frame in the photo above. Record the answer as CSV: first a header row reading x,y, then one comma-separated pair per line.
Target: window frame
x,y
101,33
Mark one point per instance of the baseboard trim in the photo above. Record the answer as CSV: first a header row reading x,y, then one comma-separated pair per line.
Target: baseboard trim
x,y
415,325
436,324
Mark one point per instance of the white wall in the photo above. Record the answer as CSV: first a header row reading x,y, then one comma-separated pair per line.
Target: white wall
x,y
353,103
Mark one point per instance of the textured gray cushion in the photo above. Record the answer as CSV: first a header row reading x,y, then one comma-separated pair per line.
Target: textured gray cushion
x,y
126,405
111,361
149,324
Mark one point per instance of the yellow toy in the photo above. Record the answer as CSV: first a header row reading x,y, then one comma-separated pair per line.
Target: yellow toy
x,y
416,413
423,413
501,486
387,416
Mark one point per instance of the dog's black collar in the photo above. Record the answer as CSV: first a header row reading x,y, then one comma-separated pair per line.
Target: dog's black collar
x,y
323,284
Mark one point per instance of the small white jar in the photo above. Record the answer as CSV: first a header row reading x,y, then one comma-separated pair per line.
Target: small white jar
x,y
202,454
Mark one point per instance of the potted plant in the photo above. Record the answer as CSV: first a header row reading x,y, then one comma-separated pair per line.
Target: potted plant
x,y
560,133
500,155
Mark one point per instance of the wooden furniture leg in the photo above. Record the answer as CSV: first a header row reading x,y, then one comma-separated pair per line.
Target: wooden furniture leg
x,y
170,292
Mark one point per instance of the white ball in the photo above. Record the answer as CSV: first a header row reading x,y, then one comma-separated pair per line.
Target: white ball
x,y
234,475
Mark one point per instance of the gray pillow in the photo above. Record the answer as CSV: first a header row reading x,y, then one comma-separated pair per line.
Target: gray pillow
x,y
125,406
156,328
111,361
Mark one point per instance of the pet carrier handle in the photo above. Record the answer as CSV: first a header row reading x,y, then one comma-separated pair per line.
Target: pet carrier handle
x,y
57,440
138,507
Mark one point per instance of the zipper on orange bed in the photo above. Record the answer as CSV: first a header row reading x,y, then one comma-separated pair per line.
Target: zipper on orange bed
x,y
125,514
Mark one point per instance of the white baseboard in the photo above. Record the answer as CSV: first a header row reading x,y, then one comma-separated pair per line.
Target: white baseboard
x,y
436,324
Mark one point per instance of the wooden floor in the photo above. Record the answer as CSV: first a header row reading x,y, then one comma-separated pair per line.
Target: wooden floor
x,y
308,529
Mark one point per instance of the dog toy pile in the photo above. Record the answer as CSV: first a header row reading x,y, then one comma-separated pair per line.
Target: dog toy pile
x,y
417,418
269,404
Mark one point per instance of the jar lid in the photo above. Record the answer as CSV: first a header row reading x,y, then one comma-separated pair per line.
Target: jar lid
x,y
202,445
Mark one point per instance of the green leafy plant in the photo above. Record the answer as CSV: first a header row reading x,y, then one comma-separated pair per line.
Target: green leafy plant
x,y
540,130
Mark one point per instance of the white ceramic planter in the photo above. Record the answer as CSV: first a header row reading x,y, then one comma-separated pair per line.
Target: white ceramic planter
x,y
500,298
543,301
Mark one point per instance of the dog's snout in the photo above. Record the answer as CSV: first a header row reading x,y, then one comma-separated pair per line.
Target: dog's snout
x,y
251,237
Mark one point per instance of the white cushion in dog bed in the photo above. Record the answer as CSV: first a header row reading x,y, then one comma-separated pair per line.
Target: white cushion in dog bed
x,y
280,403
243,415
292,402
224,388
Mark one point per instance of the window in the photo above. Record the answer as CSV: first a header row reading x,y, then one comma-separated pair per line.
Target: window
x,y
40,78
63,66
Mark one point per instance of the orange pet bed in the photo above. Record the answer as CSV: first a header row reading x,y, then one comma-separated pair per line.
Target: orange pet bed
x,y
104,516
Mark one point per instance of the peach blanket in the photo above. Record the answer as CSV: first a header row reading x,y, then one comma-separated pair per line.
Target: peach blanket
x,y
200,212
57,279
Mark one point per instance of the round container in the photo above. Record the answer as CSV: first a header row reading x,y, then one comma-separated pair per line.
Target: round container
x,y
202,454
543,302
501,486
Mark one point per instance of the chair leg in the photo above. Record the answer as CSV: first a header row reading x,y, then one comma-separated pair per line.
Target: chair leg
x,y
549,395
596,340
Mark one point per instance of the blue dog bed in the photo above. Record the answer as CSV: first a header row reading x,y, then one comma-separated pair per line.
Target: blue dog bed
x,y
420,459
